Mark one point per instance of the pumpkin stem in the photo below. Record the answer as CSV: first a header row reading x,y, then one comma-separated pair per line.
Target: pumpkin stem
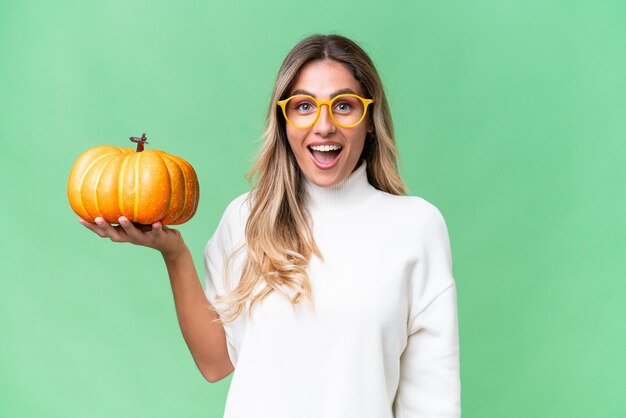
x,y
140,141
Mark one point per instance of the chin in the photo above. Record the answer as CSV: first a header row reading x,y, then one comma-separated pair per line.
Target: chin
x,y
324,179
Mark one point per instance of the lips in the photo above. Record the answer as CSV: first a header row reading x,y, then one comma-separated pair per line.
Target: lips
x,y
325,156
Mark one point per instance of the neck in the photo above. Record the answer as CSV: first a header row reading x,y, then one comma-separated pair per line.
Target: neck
x,y
343,197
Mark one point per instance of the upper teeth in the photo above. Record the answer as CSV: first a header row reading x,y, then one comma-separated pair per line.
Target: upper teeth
x,y
325,147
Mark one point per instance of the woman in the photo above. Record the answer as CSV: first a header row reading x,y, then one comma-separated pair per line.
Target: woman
x,y
327,290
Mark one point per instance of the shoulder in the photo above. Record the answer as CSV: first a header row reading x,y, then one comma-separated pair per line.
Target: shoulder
x,y
231,226
413,211
237,210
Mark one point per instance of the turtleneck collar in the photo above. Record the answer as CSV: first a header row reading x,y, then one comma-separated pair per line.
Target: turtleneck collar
x,y
341,198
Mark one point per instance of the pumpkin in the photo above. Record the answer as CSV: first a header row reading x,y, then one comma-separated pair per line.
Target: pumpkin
x,y
145,186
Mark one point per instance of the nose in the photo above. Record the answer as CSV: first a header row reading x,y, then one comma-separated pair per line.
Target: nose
x,y
324,125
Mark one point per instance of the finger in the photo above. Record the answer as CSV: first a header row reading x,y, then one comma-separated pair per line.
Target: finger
x,y
157,227
109,231
93,227
132,232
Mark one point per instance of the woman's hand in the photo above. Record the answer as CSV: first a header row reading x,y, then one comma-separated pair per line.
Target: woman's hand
x,y
168,241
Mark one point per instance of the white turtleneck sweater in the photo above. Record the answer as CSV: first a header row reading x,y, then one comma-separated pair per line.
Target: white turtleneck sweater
x,y
383,339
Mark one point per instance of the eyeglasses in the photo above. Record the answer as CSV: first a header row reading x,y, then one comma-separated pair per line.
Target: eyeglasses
x,y
346,110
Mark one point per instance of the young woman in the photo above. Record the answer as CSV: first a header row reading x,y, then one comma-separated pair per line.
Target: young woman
x,y
327,289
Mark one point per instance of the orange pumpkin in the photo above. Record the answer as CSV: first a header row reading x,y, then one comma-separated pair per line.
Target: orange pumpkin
x,y
145,186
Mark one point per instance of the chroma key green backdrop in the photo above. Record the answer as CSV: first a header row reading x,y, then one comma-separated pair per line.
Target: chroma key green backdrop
x,y
510,117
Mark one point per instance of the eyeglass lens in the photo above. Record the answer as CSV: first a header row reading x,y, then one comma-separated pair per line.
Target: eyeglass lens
x,y
347,110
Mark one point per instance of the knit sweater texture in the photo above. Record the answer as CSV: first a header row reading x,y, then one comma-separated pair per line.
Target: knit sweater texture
x,y
382,340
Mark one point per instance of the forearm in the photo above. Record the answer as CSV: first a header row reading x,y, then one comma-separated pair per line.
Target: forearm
x,y
206,339
430,384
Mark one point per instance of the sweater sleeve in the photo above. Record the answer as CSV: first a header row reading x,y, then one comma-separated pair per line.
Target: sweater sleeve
x,y
429,365
216,252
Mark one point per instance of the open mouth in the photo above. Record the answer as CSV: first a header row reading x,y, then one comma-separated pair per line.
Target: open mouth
x,y
325,155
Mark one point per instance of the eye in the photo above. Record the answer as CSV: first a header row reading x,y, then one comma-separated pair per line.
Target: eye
x,y
302,105
343,107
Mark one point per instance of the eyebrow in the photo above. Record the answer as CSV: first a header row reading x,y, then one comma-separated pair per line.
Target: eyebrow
x,y
333,94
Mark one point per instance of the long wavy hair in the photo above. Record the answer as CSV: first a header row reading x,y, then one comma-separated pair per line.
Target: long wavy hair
x,y
278,236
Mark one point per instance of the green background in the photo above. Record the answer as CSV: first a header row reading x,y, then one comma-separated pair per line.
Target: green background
x,y
510,117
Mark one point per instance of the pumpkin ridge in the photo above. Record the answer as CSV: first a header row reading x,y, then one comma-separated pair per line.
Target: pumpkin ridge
x,y
192,188
120,185
95,189
82,180
136,206
185,193
169,173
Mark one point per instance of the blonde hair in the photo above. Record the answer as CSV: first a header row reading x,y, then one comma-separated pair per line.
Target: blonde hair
x,y
278,236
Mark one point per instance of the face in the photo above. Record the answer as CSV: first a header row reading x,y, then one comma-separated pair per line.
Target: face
x,y
324,80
